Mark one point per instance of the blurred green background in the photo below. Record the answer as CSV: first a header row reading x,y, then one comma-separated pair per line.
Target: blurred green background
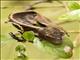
x,y
52,11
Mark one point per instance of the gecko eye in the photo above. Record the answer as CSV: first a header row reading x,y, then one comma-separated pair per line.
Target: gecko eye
x,y
34,14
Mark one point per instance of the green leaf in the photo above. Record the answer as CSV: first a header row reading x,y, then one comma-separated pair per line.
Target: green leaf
x,y
20,48
28,36
73,5
62,51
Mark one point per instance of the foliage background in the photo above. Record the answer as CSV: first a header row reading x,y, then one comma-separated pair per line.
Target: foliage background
x,y
51,11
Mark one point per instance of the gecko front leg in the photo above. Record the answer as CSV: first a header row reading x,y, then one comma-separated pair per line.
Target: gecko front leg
x,y
19,39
